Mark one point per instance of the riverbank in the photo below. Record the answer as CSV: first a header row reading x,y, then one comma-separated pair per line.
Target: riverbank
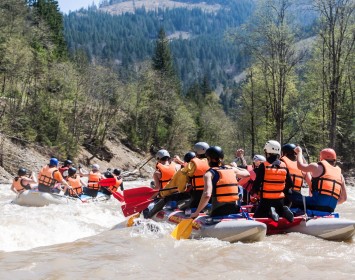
x,y
15,154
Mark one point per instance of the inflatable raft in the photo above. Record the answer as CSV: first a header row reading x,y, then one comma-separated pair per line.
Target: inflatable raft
x,y
232,230
239,227
327,227
38,199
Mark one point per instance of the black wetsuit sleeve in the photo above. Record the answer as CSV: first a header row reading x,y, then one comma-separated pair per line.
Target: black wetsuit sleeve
x,y
258,179
289,184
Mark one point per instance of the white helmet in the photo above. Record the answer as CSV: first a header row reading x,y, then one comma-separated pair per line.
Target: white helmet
x,y
95,167
162,153
272,147
200,148
259,158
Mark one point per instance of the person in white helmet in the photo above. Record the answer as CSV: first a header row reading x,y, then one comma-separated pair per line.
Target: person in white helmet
x,y
190,177
164,172
272,182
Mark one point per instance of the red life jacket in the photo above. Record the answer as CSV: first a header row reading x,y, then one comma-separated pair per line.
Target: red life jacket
x,y
274,181
201,166
296,174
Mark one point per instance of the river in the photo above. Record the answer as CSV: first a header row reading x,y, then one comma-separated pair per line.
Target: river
x,y
77,242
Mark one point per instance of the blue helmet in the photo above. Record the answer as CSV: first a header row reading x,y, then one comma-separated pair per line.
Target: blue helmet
x,y
53,161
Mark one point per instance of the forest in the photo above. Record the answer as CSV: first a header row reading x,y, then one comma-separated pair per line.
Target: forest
x,y
64,82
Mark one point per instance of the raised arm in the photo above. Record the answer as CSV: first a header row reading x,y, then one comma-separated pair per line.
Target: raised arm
x,y
315,169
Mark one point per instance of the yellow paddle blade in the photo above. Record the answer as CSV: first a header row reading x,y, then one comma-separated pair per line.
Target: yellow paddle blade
x,y
182,230
130,221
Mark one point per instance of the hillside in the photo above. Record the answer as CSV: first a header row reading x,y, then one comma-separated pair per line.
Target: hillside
x,y
122,7
17,154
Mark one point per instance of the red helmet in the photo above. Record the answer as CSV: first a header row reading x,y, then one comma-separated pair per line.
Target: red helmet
x,y
328,154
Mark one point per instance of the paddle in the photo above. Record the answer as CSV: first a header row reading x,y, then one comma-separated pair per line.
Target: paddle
x,y
141,194
304,193
129,209
183,229
107,182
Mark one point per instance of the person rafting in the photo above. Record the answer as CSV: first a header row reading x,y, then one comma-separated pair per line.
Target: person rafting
x,y
247,182
187,158
76,183
164,172
272,180
119,180
49,176
64,168
298,177
21,182
108,190
220,184
94,176
328,184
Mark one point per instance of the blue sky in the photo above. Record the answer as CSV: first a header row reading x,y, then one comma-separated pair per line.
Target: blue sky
x,y
66,5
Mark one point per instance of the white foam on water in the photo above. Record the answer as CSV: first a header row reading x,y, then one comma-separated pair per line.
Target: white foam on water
x,y
23,228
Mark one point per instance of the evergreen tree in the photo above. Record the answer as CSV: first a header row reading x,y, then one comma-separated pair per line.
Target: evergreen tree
x,y
162,60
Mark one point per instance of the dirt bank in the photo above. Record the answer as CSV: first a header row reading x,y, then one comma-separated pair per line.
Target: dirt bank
x,y
15,154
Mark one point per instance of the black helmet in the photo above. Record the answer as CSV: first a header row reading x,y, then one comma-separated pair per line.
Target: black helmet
x,y
189,156
22,172
215,152
108,174
117,171
288,148
71,171
67,162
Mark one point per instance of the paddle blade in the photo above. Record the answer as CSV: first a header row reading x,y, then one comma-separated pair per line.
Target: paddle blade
x,y
129,209
118,196
137,195
183,229
107,182
130,221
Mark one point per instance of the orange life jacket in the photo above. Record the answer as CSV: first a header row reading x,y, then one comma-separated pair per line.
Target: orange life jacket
x,y
167,172
46,177
116,185
93,180
226,188
75,183
200,170
17,183
274,181
331,181
296,174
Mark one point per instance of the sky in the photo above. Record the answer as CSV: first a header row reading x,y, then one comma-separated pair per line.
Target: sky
x,y
66,5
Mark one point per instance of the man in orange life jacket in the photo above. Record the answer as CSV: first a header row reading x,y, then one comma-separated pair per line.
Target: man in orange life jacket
x,y
49,176
21,182
328,184
165,170
220,183
74,180
273,181
94,176
298,177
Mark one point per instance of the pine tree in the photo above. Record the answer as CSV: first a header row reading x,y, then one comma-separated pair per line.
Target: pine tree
x,y
162,59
